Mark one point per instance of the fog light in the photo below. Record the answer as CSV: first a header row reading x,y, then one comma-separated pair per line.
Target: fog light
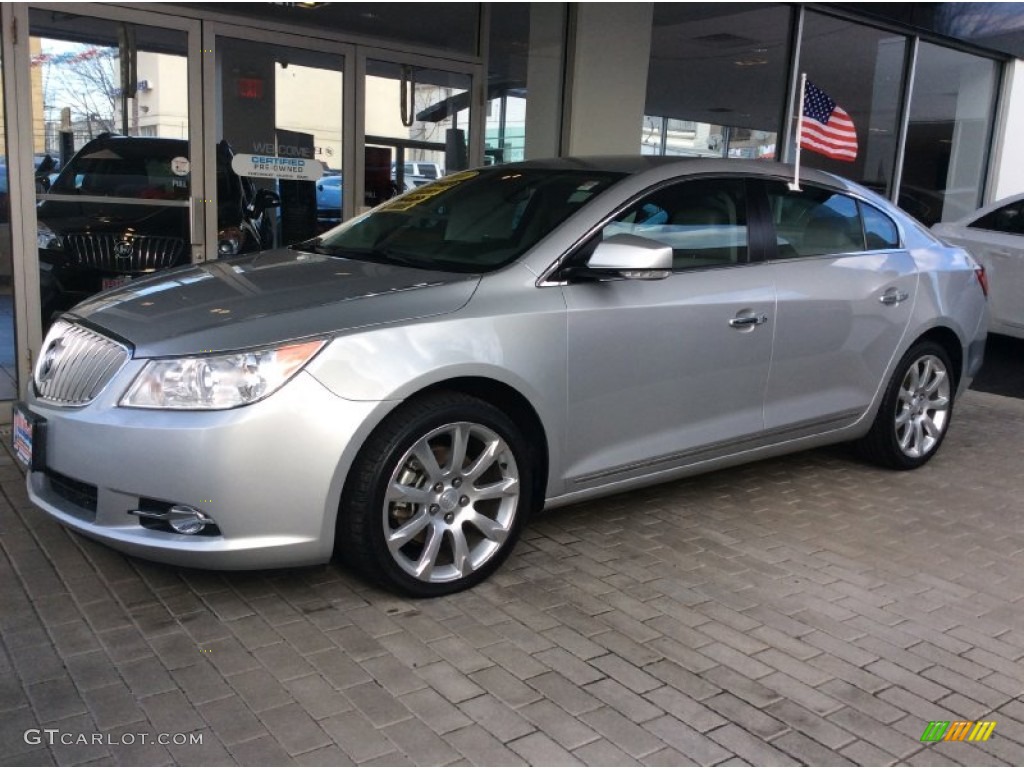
x,y
187,520
182,518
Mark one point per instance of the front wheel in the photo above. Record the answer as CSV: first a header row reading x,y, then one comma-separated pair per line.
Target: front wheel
x,y
915,412
437,496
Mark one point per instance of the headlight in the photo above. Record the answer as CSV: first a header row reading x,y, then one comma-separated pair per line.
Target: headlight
x,y
218,381
229,241
47,238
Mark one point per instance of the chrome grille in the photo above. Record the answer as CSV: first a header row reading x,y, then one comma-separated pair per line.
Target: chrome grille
x,y
148,252
76,364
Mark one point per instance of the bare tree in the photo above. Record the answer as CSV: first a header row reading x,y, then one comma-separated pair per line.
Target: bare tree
x,y
86,79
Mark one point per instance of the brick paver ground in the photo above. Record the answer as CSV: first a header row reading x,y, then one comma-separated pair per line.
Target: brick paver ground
x,y
810,609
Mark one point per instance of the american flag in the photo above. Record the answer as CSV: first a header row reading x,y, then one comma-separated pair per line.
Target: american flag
x,y
826,127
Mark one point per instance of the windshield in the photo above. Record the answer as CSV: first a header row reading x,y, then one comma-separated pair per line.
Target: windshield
x,y
128,168
474,221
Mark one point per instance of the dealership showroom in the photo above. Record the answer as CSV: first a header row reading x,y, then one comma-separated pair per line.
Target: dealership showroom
x,y
597,383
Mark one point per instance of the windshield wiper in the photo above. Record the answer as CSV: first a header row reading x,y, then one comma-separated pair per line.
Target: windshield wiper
x,y
313,244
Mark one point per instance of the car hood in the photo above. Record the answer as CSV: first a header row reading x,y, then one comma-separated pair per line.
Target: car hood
x,y
267,298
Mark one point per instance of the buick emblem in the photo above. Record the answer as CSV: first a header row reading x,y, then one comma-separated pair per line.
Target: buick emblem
x,y
123,249
49,361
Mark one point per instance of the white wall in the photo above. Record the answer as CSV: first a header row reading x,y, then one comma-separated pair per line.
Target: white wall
x,y
1008,152
608,77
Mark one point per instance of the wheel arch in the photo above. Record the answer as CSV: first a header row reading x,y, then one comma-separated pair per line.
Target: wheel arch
x,y
513,403
354,540
946,338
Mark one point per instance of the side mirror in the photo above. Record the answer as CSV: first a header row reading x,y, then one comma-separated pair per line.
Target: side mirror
x,y
631,257
265,199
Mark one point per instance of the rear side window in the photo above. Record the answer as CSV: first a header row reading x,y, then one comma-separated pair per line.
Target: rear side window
x,y
879,230
1008,219
814,221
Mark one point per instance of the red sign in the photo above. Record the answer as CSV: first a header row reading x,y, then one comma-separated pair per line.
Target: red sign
x,y
250,88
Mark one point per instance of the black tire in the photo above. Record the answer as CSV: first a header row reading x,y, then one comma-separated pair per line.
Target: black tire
x,y
435,503
916,410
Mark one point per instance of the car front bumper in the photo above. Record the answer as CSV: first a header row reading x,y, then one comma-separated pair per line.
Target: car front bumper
x,y
268,474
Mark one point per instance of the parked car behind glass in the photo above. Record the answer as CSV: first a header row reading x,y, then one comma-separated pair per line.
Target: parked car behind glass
x,y
995,237
408,388
96,231
328,201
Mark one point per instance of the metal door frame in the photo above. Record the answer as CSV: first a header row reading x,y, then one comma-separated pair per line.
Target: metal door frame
x,y
17,84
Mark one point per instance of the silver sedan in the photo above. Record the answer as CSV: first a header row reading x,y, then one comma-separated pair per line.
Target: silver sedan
x,y
405,390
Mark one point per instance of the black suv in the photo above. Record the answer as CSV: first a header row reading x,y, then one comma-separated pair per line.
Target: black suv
x,y
92,244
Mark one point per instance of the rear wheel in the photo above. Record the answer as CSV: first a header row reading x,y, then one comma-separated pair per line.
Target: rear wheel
x,y
915,412
437,496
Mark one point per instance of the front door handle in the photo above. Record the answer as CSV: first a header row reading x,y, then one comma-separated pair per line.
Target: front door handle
x,y
748,321
893,296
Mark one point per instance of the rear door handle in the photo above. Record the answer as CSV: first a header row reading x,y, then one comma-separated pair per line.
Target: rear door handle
x,y
893,296
747,321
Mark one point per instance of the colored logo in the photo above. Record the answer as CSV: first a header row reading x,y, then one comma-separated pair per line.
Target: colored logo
x,y
958,730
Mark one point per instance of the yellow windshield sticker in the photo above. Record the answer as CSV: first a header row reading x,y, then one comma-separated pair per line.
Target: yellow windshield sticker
x,y
423,194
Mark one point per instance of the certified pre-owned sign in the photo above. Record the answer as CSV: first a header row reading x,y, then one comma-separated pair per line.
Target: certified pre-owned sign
x,y
271,167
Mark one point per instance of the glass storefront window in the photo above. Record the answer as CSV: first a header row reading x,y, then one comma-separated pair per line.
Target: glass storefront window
x,y
417,127
8,345
861,68
524,67
113,168
279,101
717,80
949,133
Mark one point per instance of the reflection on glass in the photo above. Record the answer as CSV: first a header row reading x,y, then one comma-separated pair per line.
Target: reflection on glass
x,y
417,128
716,81
113,171
8,347
525,58
307,103
862,69
949,134
446,27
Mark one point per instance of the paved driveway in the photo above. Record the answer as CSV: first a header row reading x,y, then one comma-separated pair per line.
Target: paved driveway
x,y
807,609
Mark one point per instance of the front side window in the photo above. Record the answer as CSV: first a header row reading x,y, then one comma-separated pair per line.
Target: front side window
x,y
1008,219
814,221
474,221
704,221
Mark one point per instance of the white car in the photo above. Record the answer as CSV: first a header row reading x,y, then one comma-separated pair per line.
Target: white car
x,y
995,237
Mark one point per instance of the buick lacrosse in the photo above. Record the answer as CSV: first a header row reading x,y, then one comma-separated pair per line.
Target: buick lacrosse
x,y
406,389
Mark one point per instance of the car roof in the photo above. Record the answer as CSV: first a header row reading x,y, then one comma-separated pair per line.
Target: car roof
x,y
670,166
987,209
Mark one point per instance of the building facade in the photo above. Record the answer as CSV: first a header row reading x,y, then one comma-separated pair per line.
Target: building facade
x,y
384,96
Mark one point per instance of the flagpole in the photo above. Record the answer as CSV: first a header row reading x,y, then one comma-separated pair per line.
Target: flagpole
x,y
795,184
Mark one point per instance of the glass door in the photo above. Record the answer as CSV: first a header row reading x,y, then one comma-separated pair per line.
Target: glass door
x,y
8,337
417,121
115,164
277,126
